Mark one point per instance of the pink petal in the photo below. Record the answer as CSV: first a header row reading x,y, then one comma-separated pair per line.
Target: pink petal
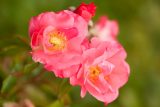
x,y
69,33
41,21
83,91
64,19
119,75
107,96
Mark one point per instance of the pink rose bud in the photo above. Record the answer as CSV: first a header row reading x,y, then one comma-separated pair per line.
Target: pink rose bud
x,y
87,11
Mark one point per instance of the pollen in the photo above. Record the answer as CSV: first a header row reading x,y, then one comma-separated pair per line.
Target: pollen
x,y
58,40
94,73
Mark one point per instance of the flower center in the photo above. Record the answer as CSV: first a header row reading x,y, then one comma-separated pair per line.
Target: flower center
x,y
58,40
94,73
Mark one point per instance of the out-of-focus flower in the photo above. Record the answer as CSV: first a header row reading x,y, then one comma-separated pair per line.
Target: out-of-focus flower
x,y
87,11
23,103
103,70
10,104
56,41
106,30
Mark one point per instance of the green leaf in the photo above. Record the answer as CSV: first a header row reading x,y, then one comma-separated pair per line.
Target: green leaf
x,y
2,73
12,51
56,104
18,41
37,70
30,67
64,88
8,83
13,46
36,95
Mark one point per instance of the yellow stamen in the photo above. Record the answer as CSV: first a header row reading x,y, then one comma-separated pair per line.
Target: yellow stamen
x,y
58,41
94,73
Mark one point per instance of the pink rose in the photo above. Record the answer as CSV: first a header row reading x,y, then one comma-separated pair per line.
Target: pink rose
x,y
103,70
87,11
59,41
56,40
106,29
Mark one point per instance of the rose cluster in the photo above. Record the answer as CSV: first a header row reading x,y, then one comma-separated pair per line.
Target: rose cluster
x,y
90,57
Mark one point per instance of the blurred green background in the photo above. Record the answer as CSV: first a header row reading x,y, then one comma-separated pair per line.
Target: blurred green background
x,y
21,78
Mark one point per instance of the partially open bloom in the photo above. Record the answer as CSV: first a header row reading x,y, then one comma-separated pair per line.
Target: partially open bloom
x,y
106,30
56,40
87,11
103,70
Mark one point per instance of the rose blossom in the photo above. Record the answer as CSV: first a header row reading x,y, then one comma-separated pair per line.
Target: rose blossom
x,y
103,70
56,40
59,41
106,30
87,11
